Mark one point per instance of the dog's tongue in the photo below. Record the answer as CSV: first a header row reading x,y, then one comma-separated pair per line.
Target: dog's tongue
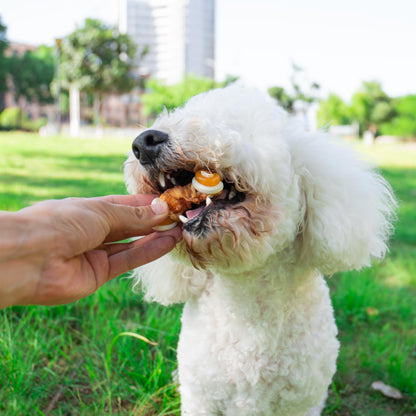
x,y
192,213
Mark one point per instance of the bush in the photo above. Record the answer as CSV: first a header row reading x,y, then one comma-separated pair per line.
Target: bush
x,y
14,118
404,122
35,125
160,96
334,111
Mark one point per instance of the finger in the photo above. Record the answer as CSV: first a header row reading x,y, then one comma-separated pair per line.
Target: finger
x,y
135,200
114,248
126,221
139,254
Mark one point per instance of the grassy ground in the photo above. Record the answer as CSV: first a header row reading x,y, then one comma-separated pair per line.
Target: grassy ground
x,y
72,360
376,309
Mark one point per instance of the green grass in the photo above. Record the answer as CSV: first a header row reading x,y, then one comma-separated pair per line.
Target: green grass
x,y
376,308
71,360
55,360
33,168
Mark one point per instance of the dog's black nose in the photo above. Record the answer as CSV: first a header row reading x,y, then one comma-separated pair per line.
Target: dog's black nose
x,y
147,145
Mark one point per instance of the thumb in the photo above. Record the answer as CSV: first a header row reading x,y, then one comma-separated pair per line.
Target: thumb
x,y
127,221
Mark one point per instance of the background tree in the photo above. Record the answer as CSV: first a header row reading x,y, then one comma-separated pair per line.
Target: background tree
x,y
303,91
403,124
98,60
371,107
32,74
334,111
3,60
284,99
160,95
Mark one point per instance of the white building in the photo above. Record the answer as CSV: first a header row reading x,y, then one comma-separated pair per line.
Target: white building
x,y
180,35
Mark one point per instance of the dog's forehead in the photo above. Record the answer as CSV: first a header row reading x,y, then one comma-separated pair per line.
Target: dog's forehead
x,y
216,117
232,104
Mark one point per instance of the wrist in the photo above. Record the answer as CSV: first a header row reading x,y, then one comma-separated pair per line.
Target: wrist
x,y
12,232
20,241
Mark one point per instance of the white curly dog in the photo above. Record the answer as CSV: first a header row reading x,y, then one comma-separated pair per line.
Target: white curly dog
x,y
258,332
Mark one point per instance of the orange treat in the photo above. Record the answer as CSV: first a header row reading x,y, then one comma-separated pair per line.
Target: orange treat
x,y
207,182
207,178
165,225
181,198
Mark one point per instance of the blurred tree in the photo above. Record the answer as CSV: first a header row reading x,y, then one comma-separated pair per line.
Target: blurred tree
x,y
98,60
303,91
371,107
32,74
283,98
3,60
403,124
229,79
160,96
334,111
13,118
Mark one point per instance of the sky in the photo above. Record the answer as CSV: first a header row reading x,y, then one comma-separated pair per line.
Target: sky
x,y
338,43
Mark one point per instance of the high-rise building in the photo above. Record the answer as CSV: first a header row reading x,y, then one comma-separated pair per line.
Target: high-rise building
x,y
179,35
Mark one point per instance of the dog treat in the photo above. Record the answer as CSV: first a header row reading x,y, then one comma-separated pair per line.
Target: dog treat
x,y
181,198
165,225
207,182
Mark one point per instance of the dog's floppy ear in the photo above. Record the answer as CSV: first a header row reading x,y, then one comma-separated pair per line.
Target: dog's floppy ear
x,y
347,207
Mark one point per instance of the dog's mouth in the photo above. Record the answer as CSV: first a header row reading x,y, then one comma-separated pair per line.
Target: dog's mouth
x,y
199,218
216,228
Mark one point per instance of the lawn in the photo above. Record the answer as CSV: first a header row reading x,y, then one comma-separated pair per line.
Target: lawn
x,y
73,360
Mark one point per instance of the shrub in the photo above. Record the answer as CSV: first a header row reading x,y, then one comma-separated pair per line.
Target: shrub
x,y
35,125
404,123
14,118
160,96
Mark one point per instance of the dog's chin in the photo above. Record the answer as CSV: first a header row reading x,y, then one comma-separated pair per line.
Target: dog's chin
x,y
220,234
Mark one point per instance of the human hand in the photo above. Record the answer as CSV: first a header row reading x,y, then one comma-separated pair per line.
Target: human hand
x,y
58,251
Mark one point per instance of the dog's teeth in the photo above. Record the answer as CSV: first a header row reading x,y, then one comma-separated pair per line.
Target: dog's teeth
x,y
172,179
162,179
183,219
208,201
232,194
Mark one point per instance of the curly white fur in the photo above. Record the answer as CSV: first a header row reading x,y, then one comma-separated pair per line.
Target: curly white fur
x,y
258,334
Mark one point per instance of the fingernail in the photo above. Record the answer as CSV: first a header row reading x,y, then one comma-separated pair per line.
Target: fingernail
x,y
159,207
